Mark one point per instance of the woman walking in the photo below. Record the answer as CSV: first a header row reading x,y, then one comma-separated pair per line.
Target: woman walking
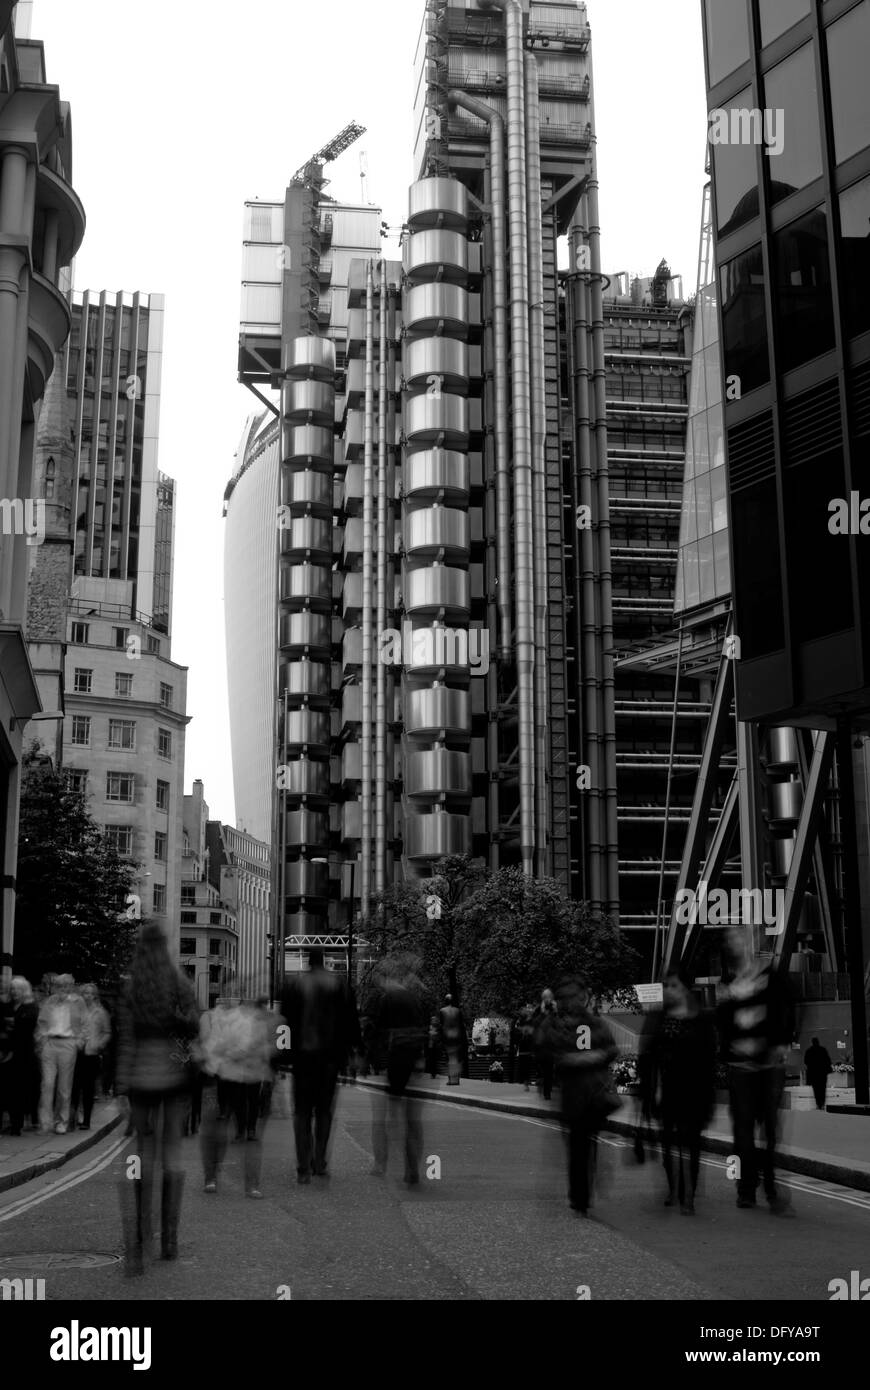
x,y
680,1067
158,1023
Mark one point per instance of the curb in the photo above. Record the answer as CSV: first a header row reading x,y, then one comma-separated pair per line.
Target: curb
x,y
796,1162
35,1170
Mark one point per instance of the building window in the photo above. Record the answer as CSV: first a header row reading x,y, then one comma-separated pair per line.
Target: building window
x,y
121,837
727,37
187,944
160,897
123,684
162,796
120,786
165,695
160,845
81,730
735,168
790,88
119,637
214,919
188,893
744,322
778,16
77,779
757,570
214,974
152,644
164,743
806,492
214,946
855,228
802,293
848,46
82,681
78,635
190,971
189,918
122,734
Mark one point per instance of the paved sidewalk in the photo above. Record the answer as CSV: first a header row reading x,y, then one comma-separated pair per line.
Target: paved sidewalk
x,y
30,1154
833,1148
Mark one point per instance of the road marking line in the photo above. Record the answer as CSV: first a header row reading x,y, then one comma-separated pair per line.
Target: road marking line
x,y
54,1189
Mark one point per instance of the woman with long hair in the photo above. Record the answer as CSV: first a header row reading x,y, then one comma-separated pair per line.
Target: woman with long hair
x,y
159,1021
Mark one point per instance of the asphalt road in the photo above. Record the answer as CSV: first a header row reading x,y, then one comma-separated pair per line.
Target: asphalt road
x,y
494,1226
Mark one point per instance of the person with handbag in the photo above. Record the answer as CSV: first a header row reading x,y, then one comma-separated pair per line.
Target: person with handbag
x,y
159,1022
582,1048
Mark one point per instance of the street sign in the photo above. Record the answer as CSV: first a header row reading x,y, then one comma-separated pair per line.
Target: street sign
x,y
649,994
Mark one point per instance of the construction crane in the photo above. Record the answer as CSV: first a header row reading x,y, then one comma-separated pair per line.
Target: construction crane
x,y
312,170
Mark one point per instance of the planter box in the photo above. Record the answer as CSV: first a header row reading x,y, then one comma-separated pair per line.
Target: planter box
x,y
802,1098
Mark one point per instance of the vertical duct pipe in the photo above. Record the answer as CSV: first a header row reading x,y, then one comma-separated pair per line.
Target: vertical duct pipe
x,y
501,423
539,465
380,670
605,571
367,543
522,460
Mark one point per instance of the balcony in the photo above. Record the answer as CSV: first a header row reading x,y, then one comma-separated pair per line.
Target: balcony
x,y
436,308
307,489
306,879
307,779
306,829
438,203
441,419
48,325
444,358
306,728
435,771
305,584
438,529
436,471
436,710
432,254
308,678
438,590
307,631
307,536
309,402
436,835
310,357
312,444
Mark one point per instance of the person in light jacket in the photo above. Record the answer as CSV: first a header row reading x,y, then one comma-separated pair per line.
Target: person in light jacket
x,y
60,1037
97,1032
159,1021
238,1049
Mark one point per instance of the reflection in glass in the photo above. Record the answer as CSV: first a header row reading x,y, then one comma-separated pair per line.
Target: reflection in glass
x,y
777,16
720,504
727,37
790,88
744,325
848,46
802,293
735,170
855,227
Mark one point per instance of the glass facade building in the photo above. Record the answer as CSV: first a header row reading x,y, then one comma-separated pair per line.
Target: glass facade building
x,y
791,216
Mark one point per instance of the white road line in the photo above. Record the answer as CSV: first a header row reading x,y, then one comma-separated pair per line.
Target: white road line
x,y
64,1184
813,1187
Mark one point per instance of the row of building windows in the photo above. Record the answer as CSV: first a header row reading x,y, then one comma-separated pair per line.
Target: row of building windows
x,y
121,836
122,735
83,679
80,637
120,786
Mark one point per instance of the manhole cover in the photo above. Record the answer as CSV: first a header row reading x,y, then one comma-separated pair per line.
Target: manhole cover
x,y
28,1264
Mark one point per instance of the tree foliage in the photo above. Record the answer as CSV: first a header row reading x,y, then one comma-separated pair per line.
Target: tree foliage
x,y
500,939
71,884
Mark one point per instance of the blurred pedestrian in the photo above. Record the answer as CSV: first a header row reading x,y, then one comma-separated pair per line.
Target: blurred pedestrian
x,y
433,1046
524,1036
240,1051
678,1080
544,1058
398,1012
159,1022
817,1061
60,1037
97,1033
319,1010
755,1019
23,1062
453,1038
582,1047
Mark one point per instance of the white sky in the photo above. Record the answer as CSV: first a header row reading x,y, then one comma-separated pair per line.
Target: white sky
x,y
183,109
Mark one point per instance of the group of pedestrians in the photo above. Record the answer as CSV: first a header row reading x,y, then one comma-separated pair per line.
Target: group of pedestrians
x,y
530,1044
51,1053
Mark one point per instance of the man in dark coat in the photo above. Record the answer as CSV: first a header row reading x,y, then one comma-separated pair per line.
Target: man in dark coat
x,y
817,1061
320,1012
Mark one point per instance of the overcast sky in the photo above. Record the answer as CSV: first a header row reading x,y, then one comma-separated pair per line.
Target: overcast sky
x,y
183,109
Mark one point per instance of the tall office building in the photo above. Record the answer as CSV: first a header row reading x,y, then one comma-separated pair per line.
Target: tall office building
x,y
42,224
100,598
240,868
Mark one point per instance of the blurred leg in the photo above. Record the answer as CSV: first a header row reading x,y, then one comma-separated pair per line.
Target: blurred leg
x,y
304,1096
743,1111
380,1140
213,1134
49,1078
325,1102
66,1061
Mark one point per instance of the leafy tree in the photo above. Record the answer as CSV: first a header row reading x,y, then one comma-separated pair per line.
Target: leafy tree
x,y
519,933
71,884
